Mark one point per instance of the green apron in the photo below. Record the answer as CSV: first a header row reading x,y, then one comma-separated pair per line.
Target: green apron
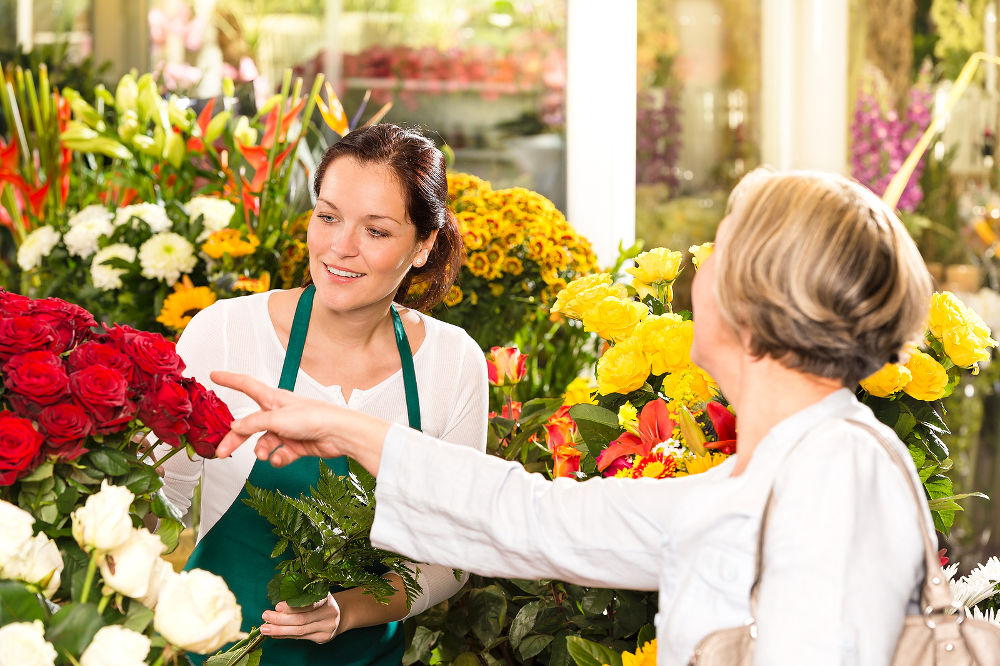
x,y
239,546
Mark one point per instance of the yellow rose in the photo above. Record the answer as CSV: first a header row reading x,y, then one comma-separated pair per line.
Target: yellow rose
x,y
566,299
666,342
658,265
929,377
964,335
699,253
622,369
579,392
613,318
890,379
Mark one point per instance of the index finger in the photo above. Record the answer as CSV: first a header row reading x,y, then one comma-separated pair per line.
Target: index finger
x,y
256,390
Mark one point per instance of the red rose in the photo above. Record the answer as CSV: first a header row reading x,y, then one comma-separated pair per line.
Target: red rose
x,y
153,355
13,305
165,408
20,446
35,379
102,391
65,425
70,322
24,334
210,420
100,353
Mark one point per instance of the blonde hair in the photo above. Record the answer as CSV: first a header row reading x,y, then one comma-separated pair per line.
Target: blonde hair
x,y
821,274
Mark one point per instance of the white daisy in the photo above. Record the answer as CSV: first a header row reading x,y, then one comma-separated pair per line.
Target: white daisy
x,y
152,214
166,256
990,570
36,245
216,214
92,212
950,570
970,590
82,237
107,277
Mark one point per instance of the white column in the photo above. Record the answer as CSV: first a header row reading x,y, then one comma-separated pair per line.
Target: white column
x,y
600,122
333,48
25,28
804,84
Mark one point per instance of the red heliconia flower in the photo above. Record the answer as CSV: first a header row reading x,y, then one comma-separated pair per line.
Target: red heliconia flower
x,y
505,366
725,428
655,426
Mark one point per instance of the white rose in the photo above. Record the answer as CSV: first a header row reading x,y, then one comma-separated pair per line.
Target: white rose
x,y
15,532
129,567
82,239
152,214
108,277
166,256
158,577
115,645
197,612
103,522
24,644
40,563
217,213
36,245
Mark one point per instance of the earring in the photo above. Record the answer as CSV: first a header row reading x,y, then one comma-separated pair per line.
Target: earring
x,y
420,261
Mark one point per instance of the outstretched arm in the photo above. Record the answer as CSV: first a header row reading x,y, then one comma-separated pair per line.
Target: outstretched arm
x,y
294,427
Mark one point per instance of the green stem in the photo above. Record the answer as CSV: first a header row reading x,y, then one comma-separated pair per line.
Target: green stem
x,y
103,603
159,660
164,458
89,580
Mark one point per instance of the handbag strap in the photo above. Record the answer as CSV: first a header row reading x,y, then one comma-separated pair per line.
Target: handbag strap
x,y
935,594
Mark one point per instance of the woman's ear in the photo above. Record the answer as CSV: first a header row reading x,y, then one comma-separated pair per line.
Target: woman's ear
x,y
428,243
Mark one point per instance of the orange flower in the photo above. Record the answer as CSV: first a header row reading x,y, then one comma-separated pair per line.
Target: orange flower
x,y
565,461
505,366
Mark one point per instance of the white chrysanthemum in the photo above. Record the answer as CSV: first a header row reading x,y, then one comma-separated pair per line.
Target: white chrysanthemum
x,y
166,256
36,245
107,277
152,214
950,571
217,213
989,615
82,238
970,590
990,570
92,212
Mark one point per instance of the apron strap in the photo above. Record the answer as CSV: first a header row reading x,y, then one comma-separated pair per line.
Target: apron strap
x,y
409,376
297,341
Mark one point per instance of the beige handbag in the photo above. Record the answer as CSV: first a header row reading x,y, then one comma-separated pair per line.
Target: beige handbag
x,y
938,637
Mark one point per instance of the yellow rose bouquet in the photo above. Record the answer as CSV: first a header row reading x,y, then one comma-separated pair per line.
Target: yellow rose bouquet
x,y
907,395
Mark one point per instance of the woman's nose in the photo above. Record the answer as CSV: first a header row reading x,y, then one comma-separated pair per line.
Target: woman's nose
x,y
345,241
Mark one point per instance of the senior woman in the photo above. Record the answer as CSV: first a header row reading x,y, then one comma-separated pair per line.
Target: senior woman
x,y
813,285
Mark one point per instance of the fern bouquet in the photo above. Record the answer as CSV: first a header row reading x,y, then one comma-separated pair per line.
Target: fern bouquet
x,y
324,536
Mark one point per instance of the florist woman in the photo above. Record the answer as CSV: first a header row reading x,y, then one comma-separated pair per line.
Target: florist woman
x,y
380,225
814,284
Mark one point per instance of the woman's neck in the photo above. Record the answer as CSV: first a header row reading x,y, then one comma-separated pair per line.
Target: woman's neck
x,y
353,329
767,394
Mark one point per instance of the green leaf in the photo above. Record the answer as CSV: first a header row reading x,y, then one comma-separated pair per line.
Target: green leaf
x,y
466,659
597,426
419,649
524,622
949,503
43,471
533,644
233,659
73,627
589,653
138,617
596,600
943,520
141,479
646,634
66,501
560,654
938,486
110,461
19,604
488,609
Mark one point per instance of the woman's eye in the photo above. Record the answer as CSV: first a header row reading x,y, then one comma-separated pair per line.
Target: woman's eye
x,y
329,219
377,233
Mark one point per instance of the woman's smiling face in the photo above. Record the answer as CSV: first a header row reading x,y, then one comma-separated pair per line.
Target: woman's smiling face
x,y
361,240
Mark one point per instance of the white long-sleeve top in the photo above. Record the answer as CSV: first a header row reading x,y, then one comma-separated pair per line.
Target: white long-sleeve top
x,y
238,335
843,557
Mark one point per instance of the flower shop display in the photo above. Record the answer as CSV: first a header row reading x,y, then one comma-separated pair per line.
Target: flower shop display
x,y
520,251
81,580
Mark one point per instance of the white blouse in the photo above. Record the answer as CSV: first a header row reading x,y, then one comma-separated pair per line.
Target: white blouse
x,y
843,553
237,335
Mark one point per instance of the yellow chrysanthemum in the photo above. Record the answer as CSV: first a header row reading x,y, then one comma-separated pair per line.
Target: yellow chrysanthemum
x,y
453,297
891,378
186,301
579,392
622,369
697,464
690,387
496,290
699,253
478,264
644,656
929,378
513,266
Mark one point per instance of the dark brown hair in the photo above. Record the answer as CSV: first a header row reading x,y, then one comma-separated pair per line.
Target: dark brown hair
x,y
419,168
